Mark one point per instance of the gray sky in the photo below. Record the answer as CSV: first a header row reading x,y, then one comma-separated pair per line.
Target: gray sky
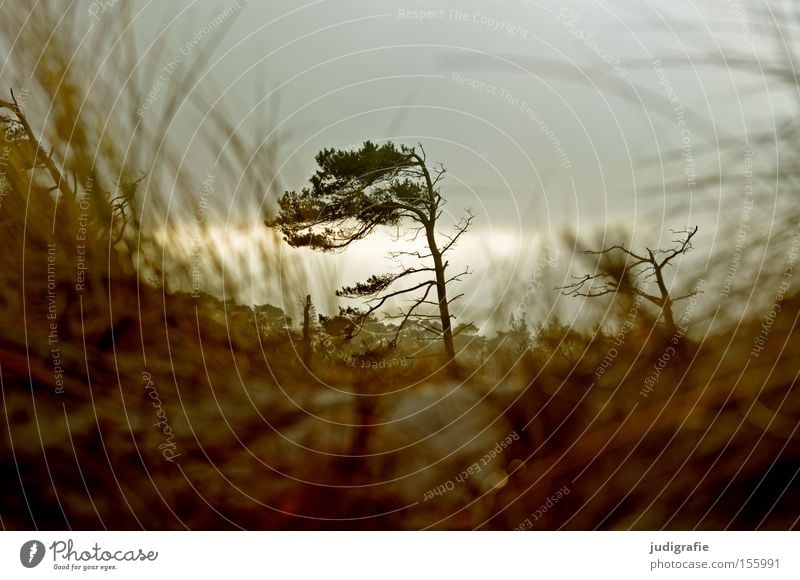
x,y
347,71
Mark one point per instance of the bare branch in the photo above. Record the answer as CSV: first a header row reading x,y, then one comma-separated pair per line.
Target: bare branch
x,y
619,247
577,288
456,297
411,310
689,295
378,302
457,277
684,244
40,153
431,330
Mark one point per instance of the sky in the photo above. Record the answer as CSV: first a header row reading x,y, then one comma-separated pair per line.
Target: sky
x,y
547,115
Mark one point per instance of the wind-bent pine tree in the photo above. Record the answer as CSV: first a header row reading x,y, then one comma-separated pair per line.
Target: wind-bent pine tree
x,y
356,191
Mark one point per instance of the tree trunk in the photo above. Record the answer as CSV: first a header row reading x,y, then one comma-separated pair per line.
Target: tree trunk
x,y
444,307
669,318
666,302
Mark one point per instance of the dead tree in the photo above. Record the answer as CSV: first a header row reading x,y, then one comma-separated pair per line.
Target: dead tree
x,y
353,193
634,274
